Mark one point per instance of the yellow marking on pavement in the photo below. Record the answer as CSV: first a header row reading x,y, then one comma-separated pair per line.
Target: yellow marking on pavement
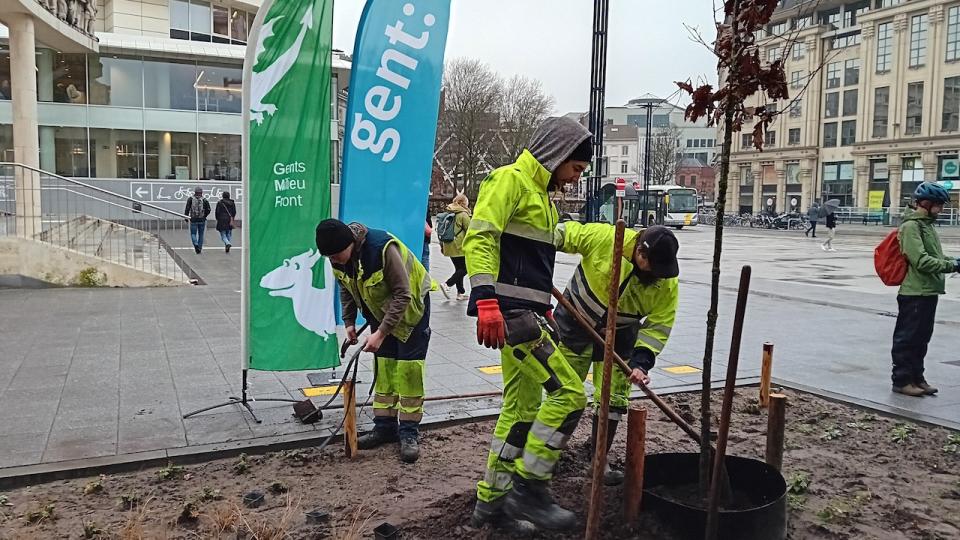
x,y
314,391
681,370
491,370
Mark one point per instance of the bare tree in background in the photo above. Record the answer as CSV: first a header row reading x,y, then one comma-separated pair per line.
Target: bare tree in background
x,y
665,155
468,122
523,107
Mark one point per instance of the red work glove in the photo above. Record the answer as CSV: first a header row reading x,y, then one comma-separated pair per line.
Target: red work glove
x,y
491,331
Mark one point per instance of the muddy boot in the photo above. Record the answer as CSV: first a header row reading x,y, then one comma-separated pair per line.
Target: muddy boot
x,y
491,514
910,390
925,386
530,500
409,449
610,476
375,438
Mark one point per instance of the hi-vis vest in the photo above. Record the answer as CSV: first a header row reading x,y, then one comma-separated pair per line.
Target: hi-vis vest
x,y
645,313
371,291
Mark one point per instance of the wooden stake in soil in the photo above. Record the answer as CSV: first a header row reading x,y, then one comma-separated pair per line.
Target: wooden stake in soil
x,y
776,425
713,500
600,443
350,419
766,370
636,456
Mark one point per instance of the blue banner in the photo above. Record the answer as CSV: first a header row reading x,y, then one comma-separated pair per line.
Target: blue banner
x,y
392,116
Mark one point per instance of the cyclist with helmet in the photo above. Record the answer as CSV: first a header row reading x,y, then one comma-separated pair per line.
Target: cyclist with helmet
x,y
920,290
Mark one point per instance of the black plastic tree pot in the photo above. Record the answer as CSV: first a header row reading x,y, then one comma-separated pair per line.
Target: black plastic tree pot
x,y
756,511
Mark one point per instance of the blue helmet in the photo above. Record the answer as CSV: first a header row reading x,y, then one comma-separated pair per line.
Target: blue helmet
x,y
929,191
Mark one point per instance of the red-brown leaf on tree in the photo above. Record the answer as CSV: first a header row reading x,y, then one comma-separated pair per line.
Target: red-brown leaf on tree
x,y
685,86
758,136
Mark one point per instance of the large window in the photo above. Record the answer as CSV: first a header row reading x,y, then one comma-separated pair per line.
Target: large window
x,y
623,167
912,175
746,141
221,157
61,78
951,104
848,132
179,19
221,24
918,40
881,111
200,21
169,84
6,142
238,25
884,47
838,182
796,79
953,33
833,75
116,81
4,72
793,136
830,134
799,50
796,107
171,155
218,88
70,151
774,54
793,173
849,102
770,139
914,108
851,72
116,153
831,107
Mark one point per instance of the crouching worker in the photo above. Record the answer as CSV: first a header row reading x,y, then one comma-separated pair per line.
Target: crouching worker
x,y
645,312
510,259
381,277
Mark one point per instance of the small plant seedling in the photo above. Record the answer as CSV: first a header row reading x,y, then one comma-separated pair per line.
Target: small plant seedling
x,y
209,494
242,465
832,433
278,488
5,501
129,501
91,530
189,513
901,433
862,497
860,425
170,472
806,429
96,486
44,513
833,513
798,483
953,444
796,502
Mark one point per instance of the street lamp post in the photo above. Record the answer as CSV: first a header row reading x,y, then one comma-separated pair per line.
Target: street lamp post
x,y
646,162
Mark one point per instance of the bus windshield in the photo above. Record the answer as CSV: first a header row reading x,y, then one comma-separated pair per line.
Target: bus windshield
x,y
682,201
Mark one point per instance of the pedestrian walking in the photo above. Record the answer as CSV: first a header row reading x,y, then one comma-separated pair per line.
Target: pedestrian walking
x,y
829,212
225,213
645,315
920,290
381,277
510,259
197,210
452,228
813,215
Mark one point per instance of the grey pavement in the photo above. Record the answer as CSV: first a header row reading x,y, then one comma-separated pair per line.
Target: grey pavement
x,y
96,373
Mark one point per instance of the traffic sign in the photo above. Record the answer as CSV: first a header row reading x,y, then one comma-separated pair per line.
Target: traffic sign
x,y
621,187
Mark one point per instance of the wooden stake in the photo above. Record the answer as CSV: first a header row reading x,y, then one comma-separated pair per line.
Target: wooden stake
x,y
600,444
776,425
350,420
766,370
636,457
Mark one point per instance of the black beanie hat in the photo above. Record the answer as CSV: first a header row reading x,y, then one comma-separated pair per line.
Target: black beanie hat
x,y
583,151
333,236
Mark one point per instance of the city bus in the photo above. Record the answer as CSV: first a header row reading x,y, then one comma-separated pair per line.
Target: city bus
x,y
669,205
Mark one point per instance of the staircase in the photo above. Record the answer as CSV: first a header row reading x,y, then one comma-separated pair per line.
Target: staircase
x,y
106,229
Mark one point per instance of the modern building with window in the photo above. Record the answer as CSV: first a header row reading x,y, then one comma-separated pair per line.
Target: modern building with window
x,y
878,108
141,89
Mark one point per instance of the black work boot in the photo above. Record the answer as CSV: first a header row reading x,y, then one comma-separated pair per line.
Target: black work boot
x,y
610,477
529,500
491,514
409,449
375,438
925,386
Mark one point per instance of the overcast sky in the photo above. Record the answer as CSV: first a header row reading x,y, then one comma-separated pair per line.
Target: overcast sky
x,y
550,40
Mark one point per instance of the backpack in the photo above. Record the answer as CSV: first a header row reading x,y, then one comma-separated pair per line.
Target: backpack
x,y
889,261
196,208
446,226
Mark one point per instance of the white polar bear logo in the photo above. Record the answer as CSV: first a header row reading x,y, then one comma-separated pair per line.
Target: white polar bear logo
x,y
313,308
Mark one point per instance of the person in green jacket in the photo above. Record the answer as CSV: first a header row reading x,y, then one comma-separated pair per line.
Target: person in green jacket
x,y
645,314
920,290
460,208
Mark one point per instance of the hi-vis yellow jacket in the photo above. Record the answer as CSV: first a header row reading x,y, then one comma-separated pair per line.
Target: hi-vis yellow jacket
x,y
645,312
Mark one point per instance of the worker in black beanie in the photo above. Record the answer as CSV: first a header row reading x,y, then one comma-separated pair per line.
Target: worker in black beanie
x,y
382,278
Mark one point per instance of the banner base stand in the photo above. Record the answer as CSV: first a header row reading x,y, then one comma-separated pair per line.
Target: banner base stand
x,y
243,401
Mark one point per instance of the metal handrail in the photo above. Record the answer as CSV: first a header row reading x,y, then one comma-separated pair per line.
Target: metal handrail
x,y
88,186
108,203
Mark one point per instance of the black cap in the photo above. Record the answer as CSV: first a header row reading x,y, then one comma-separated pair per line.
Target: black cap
x,y
583,151
661,246
333,236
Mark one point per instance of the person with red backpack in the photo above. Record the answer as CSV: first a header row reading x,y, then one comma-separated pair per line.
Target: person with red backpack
x,y
923,284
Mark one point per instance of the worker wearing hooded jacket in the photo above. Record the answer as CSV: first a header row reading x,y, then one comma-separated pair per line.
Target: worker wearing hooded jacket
x,y
378,274
510,259
645,312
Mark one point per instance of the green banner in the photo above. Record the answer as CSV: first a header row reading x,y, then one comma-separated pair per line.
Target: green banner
x,y
289,290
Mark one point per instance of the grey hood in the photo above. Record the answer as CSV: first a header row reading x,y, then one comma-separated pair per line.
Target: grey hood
x,y
555,140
